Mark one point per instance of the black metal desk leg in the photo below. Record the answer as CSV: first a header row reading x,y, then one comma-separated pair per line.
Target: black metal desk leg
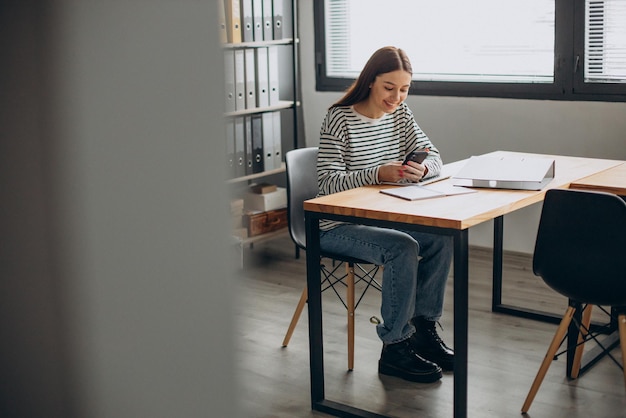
x,y
498,238
314,289
461,310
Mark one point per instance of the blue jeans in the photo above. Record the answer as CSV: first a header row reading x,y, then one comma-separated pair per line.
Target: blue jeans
x,y
408,291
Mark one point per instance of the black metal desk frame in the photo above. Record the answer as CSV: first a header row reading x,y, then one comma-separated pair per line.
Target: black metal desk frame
x,y
461,276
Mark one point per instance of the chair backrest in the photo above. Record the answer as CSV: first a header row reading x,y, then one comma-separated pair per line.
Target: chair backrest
x,y
301,165
580,249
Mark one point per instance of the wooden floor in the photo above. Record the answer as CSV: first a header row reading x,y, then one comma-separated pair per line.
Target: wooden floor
x,y
504,351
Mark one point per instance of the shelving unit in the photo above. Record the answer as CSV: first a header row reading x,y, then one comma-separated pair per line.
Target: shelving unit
x,y
286,108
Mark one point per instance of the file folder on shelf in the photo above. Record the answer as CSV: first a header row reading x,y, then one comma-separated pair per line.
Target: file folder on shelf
x,y
240,80
262,81
233,21
248,146
222,21
257,19
272,75
250,86
230,148
247,28
268,21
277,17
240,152
268,141
278,140
257,144
229,80
506,172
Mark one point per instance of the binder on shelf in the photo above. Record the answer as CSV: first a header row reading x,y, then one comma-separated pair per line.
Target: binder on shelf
x,y
240,80
221,12
257,19
229,80
247,29
230,148
278,140
250,86
272,75
257,144
506,172
277,17
248,145
233,21
268,141
262,81
268,21
240,152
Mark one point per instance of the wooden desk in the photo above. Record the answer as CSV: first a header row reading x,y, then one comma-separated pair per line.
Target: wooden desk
x,y
612,180
452,215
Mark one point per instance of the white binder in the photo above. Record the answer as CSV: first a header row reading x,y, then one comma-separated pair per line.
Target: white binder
x,y
273,76
257,19
240,80
250,78
247,27
268,20
230,148
277,16
229,80
510,171
240,152
278,140
262,82
268,141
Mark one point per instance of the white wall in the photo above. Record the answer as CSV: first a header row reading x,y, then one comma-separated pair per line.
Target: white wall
x,y
461,127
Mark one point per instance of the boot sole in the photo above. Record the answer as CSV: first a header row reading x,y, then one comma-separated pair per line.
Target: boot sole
x,y
426,377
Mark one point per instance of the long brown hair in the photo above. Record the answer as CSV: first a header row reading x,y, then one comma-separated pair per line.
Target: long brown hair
x,y
384,60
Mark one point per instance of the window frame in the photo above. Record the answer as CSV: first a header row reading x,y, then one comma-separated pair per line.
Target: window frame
x,y
568,72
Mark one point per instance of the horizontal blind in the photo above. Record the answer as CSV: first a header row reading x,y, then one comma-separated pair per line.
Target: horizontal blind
x,y
446,40
605,41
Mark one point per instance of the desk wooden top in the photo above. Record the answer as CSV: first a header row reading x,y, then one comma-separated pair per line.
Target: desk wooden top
x,y
612,180
459,211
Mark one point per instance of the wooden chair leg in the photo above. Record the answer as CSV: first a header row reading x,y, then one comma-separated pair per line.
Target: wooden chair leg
x,y
350,306
580,348
296,316
547,360
621,320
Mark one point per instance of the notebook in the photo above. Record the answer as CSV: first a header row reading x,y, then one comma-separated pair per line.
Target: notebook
x,y
417,191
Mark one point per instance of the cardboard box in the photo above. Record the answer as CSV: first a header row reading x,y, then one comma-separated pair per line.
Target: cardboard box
x,y
266,201
264,222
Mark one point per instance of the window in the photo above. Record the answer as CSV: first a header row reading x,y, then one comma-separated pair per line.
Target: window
x,y
495,48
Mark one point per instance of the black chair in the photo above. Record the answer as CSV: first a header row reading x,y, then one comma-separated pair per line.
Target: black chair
x,y
580,252
301,167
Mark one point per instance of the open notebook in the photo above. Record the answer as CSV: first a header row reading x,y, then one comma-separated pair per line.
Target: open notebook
x,y
418,191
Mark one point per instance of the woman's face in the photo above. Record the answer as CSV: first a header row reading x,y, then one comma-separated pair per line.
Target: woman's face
x,y
389,90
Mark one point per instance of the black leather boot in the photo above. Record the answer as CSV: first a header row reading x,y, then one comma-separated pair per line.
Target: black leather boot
x,y
429,345
400,360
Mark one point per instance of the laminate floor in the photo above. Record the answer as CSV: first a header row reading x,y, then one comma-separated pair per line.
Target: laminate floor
x,y
504,351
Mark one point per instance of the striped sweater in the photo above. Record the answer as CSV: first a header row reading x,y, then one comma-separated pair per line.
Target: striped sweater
x,y
353,147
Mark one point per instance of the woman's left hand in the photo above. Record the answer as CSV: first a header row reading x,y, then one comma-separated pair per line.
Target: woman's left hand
x,y
413,171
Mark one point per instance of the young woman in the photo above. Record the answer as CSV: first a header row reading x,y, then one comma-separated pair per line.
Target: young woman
x,y
364,139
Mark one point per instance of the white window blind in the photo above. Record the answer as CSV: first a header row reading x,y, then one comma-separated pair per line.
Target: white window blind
x,y
447,40
605,41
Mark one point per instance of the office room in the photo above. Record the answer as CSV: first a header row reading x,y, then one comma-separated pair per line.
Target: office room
x,y
122,292
461,127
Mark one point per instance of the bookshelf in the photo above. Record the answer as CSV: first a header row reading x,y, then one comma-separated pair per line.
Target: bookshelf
x,y
261,102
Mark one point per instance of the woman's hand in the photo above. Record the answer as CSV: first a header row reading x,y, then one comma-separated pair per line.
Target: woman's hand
x,y
396,171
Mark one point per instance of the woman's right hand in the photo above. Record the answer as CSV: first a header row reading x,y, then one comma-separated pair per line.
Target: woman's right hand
x,y
391,172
